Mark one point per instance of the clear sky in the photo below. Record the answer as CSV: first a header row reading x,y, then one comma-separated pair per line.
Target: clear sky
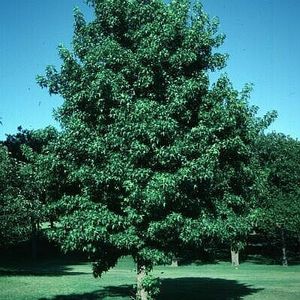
x,y
262,40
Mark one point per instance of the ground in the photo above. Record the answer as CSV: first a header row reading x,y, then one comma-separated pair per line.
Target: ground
x,y
66,279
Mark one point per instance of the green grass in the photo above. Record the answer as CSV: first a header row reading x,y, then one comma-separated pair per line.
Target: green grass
x,y
64,280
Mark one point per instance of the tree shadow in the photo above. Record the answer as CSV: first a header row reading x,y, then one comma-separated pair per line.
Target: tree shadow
x,y
197,262
40,268
122,291
263,260
174,289
267,260
191,288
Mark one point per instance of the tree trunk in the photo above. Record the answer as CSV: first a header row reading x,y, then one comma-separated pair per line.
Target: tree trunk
x,y
33,239
235,258
174,262
141,273
51,223
284,251
299,244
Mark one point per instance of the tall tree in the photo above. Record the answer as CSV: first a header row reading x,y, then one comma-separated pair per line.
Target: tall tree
x,y
160,161
280,156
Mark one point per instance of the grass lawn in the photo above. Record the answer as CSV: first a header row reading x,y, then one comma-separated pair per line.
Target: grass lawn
x,y
56,279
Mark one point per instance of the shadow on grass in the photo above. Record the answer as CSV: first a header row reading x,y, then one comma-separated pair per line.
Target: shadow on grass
x,y
39,268
265,260
174,289
197,262
204,288
122,291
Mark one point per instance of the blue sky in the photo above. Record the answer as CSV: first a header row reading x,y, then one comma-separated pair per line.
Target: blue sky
x,y
262,41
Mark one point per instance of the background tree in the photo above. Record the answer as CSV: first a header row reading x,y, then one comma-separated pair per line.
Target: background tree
x,y
280,156
25,194
14,225
160,162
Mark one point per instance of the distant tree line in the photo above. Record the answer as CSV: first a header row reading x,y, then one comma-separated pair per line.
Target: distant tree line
x,y
29,190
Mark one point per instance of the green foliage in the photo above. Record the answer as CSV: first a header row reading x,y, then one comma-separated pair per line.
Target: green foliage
x,y
153,160
14,224
23,193
280,156
151,285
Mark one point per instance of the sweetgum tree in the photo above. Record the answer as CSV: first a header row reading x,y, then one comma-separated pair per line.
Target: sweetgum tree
x,y
159,160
